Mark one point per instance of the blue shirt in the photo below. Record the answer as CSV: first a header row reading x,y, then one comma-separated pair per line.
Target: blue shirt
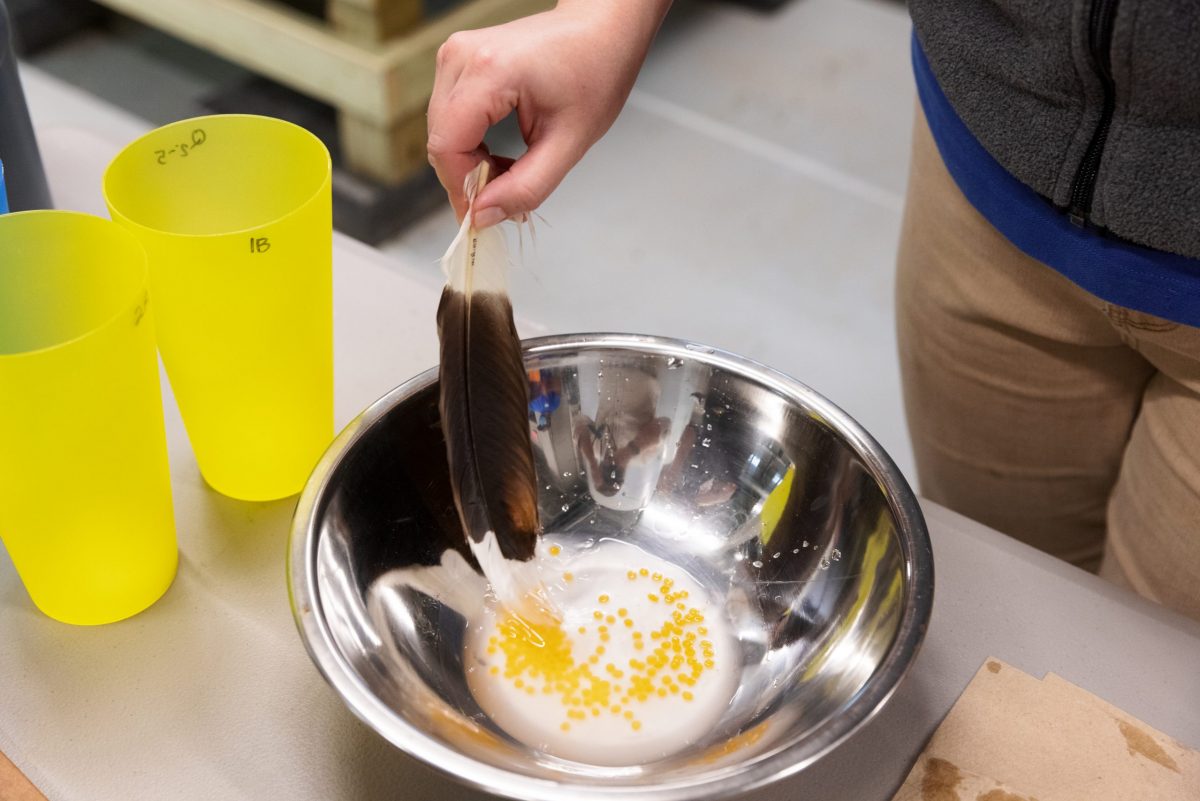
x,y
1147,280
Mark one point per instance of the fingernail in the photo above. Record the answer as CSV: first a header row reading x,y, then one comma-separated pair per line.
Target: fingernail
x,y
485,218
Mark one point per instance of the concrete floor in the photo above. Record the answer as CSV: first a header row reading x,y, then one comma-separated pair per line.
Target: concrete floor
x,y
749,196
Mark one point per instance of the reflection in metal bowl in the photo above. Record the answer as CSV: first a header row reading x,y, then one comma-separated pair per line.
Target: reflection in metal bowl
x,y
756,486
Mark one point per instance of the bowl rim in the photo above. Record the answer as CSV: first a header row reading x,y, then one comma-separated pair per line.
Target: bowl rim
x,y
780,763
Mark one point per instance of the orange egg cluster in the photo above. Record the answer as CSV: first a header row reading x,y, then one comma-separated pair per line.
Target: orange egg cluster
x,y
540,657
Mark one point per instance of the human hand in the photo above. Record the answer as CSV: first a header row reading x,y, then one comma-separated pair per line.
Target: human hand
x,y
566,72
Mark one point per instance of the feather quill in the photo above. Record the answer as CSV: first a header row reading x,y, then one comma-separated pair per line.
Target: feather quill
x,y
484,404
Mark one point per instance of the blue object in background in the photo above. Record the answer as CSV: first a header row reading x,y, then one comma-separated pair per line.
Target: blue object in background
x,y
3,192
542,399
544,403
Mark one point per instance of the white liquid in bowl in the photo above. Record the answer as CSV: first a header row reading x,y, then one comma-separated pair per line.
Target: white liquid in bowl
x,y
642,665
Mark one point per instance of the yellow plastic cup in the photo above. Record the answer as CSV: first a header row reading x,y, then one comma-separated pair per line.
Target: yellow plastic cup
x,y
85,492
235,214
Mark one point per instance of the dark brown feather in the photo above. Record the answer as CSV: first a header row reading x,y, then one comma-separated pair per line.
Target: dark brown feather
x,y
485,416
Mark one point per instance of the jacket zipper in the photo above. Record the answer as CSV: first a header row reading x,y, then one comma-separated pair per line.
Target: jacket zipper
x,y
1100,28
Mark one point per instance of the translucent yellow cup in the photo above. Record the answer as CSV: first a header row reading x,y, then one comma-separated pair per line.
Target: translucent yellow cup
x,y
85,493
234,212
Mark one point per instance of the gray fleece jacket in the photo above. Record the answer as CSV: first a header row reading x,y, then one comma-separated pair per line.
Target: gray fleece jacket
x,y
1095,104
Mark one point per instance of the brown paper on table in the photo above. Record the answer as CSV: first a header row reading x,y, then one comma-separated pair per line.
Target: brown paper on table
x,y
13,784
1011,737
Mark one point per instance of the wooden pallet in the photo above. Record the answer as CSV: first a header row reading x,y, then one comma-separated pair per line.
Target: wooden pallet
x,y
373,60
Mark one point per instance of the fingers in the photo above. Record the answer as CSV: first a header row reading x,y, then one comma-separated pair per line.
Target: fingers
x,y
529,180
456,188
455,144
486,217
451,57
480,77
468,98
450,60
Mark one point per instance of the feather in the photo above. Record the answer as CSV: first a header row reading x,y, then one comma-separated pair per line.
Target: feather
x,y
484,404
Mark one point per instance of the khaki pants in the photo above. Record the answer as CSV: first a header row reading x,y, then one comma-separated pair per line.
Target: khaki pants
x,y
1039,409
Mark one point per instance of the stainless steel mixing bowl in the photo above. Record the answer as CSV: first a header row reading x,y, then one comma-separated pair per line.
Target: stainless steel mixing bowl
x,y
753,483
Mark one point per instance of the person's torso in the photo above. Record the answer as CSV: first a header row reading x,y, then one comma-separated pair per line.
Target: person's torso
x,y
1095,104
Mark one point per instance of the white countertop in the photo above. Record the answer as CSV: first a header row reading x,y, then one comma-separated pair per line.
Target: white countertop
x,y
210,694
